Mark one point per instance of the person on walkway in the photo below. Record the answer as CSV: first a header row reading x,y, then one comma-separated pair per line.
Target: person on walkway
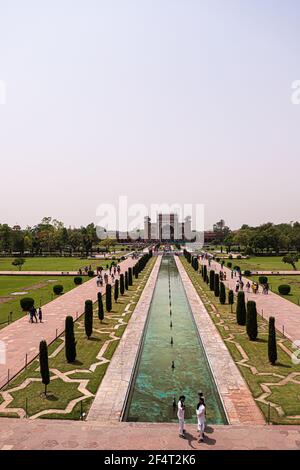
x,y
248,286
33,315
180,415
200,412
231,274
267,288
98,280
224,276
40,315
241,285
237,286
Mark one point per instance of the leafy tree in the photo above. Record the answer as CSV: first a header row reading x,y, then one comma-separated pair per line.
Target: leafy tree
x,y
222,295
88,318
70,343
108,298
44,364
100,307
251,320
272,346
241,309
291,259
18,262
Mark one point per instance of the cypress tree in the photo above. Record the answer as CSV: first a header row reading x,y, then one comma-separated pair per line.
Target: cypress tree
x,y
231,299
116,290
108,298
212,279
272,346
241,309
100,307
222,295
70,343
251,321
130,276
126,279
202,271
122,288
88,318
136,271
217,285
44,364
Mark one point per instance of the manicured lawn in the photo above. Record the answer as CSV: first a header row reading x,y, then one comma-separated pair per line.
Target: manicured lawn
x,y
62,392
54,264
287,395
293,281
37,287
262,263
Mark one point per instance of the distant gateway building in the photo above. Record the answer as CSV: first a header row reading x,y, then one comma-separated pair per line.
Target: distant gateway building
x,y
168,228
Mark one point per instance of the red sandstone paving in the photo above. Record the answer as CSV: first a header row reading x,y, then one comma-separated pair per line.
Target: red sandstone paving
x,y
22,337
16,434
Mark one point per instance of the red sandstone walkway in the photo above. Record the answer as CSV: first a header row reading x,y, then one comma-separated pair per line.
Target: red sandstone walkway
x,y
286,313
17,434
22,337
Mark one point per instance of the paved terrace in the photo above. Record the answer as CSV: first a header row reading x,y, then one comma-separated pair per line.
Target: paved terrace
x,y
16,434
286,313
235,394
22,337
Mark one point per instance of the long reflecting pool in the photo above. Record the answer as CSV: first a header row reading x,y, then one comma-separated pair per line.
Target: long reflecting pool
x,y
156,382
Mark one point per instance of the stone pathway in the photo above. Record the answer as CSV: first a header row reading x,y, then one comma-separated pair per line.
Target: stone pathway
x,y
286,313
41,273
21,337
238,402
110,399
16,434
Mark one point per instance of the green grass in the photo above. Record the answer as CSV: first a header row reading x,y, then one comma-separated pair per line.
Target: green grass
x,y
262,263
61,393
287,396
293,281
36,287
54,264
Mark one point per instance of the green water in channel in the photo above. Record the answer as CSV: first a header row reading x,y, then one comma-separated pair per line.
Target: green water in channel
x,y
155,383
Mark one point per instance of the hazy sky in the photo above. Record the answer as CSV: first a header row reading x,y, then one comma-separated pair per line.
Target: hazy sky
x,y
174,101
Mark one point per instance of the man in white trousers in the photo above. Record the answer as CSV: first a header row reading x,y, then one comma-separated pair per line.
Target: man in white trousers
x,y
200,411
180,415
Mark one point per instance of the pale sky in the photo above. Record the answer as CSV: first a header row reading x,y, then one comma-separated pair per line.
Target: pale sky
x,y
165,101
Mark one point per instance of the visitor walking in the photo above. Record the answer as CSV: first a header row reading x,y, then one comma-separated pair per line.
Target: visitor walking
x,y
200,412
180,415
237,286
98,280
248,286
40,315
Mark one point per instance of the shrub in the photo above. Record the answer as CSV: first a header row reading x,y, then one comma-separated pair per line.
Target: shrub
x,y
218,260
217,285
236,268
231,298
91,273
116,290
247,273
77,280
44,364
284,289
58,289
230,257
229,264
122,287
222,295
108,298
251,320
272,346
263,279
212,279
100,307
26,303
88,318
241,309
70,343
130,276
238,257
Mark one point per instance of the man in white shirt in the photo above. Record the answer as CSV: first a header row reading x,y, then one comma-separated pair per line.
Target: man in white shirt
x,y
200,411
180,415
